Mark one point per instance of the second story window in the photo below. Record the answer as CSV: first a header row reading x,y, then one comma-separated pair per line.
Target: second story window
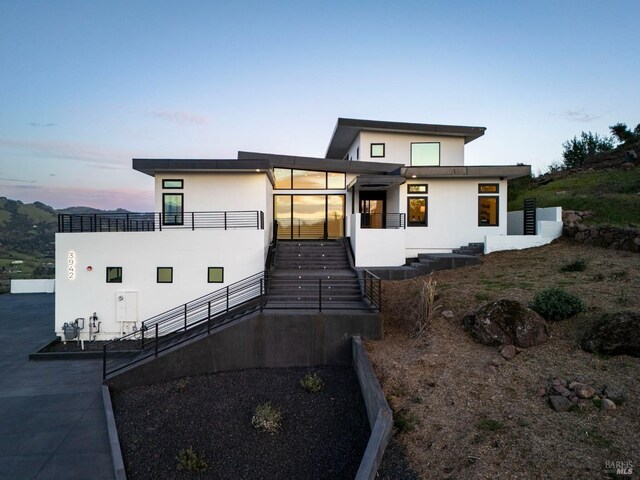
x,y
172,184
425,154
172,209
377,150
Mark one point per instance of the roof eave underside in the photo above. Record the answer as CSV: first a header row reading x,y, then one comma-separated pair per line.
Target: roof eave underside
x,y
347,129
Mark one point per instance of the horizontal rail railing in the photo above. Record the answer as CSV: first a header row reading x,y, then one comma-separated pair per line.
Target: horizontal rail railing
x,y
298,228
383,220
179,324
152,221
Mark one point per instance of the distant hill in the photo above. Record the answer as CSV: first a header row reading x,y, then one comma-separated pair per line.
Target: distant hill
x,y
608,185
29,228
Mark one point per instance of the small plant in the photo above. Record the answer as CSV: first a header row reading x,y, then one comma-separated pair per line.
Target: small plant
x,y
490,425
482,296
312,383
579,265
191,461
428,307
557,304
267,418
405,422
181,385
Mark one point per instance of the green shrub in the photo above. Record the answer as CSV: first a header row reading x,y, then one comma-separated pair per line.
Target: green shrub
x,y
490,425
557,304
267,418
190,461
182,384
404,421
579,265
312,383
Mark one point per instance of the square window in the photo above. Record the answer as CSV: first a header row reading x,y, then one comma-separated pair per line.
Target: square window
x,y
377,150
425,154
172,183
417,211
114,274
215,275
488,211
164,275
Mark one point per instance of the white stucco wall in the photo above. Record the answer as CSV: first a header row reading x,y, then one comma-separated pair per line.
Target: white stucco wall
x,y
453,215
515,219
33,286
240,252
548,228
376,247
353,150
398,147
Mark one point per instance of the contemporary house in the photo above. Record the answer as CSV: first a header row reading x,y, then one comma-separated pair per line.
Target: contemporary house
x,y
388,190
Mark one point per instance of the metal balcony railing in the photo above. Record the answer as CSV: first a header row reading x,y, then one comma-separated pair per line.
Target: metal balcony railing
x,y
152,221
383,220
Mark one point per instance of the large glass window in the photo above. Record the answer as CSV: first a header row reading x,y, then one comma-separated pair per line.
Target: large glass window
x,y
488,211
288,179
418,211
172,210
425,154
309,216
335,216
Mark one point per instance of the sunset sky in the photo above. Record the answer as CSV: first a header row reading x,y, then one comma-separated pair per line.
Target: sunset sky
x,y
85,86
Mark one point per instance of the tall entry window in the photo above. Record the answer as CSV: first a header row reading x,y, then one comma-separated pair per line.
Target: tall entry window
x,y
488,205
309,216
172,209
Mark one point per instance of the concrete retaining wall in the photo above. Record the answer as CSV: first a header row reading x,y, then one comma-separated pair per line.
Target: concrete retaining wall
x,y
378,411
33,286
262,340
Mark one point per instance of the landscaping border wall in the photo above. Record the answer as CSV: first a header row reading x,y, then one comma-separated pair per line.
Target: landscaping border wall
x,y
114,441
378,411
606,236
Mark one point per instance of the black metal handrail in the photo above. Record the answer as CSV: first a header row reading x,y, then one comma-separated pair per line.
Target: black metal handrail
x,y
179,324
298,228
372,289
383,220
151,221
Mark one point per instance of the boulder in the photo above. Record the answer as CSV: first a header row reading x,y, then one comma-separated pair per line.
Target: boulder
x,y
584,391
608,405
508,352
506,322
560,403
614,334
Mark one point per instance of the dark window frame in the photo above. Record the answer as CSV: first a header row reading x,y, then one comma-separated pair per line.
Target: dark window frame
x,y
164,181
326,205
158,274
209,274
118,278
496,185
425,223
424,143
384,150
426,185
497,224
164,213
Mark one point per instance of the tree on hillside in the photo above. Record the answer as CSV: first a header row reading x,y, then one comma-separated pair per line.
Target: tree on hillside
x,y
622,133
578,150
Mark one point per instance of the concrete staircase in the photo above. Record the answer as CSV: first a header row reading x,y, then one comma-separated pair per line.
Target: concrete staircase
x,y
309,271
464,256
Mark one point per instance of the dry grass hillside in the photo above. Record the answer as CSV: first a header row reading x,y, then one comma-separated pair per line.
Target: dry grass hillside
x,y
459,418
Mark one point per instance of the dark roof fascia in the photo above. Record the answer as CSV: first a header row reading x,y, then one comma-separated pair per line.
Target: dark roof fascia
x,y
473,171
323,164
151,166
347,129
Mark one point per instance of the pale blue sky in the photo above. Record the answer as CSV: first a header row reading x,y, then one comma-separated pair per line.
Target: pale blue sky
x,y
85,85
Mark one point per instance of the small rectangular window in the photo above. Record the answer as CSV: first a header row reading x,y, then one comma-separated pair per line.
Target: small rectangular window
x,y
164,275
358,153
488,188
417,211
336,181
215,275
425,154
114,274
377,150
422,188
172,183
488,211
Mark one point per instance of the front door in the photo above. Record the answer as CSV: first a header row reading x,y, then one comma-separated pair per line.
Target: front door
x,y
372,209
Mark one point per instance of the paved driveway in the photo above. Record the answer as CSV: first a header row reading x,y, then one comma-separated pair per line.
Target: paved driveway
x,y
52,423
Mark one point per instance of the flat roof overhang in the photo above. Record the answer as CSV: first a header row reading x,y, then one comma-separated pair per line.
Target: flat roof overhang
x,y
152,166
493,171
376,182
347,129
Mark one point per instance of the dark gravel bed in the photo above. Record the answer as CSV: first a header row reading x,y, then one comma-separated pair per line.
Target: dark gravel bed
x,y
74,346
323,436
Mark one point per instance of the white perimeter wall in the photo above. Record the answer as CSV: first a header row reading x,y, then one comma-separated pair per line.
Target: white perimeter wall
x,y
548,228
33,286
453,215
377,247
241,252
398,147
